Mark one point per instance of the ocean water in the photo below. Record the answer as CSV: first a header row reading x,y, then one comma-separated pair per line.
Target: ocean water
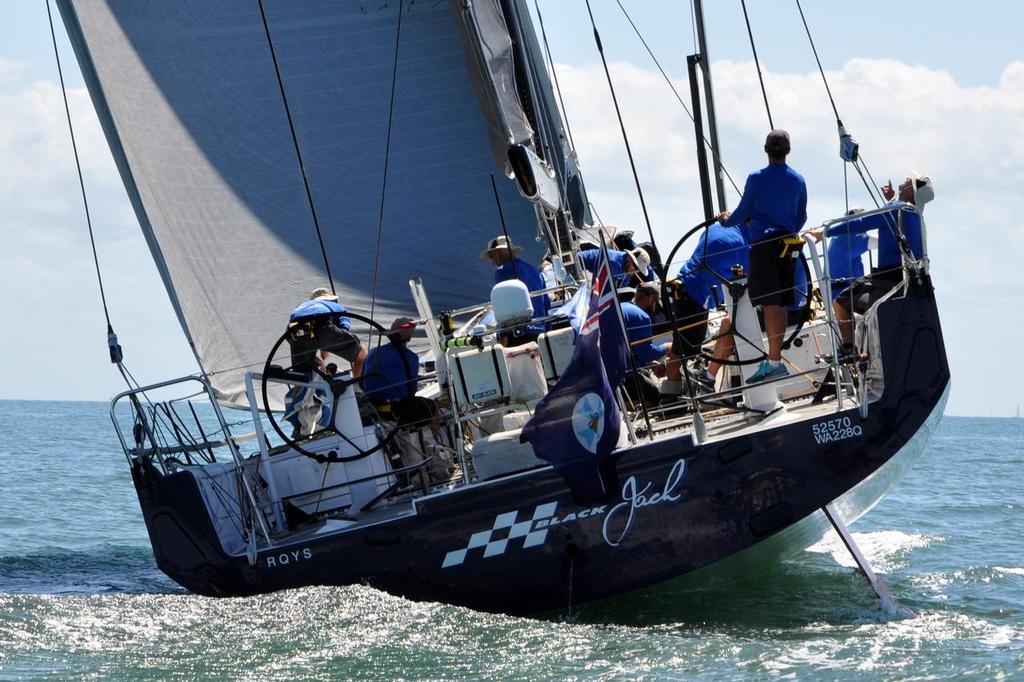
x,y
80,595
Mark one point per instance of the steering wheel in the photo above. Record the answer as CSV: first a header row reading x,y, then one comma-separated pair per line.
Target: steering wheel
x,y
338,388
666,298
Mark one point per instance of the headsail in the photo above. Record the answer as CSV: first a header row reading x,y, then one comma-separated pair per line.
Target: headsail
x,y
190,102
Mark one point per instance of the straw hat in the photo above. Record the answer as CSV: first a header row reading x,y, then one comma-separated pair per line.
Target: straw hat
x,y
322,294
499,244
641,259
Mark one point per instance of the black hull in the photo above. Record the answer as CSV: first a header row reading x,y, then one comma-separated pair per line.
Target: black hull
x,y
682,507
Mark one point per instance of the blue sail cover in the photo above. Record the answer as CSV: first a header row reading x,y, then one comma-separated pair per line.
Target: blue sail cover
x,y
192,109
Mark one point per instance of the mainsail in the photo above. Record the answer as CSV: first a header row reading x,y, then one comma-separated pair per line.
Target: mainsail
x,y
190,102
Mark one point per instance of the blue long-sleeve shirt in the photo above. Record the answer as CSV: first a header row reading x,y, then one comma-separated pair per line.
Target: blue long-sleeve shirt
x,y
889,254
774,200
720,248
528,275
844,260
390,373
638,326
616,263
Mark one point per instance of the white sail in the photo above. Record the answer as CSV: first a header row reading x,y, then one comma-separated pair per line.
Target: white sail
x,y
192,108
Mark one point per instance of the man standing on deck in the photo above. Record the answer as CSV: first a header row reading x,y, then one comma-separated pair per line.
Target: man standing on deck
x,y
775,201
320,324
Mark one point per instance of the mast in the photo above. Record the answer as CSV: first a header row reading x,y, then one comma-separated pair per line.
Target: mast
x,y
709,96
692,63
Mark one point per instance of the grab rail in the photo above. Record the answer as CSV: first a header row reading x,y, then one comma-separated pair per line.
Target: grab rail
x,y
159,451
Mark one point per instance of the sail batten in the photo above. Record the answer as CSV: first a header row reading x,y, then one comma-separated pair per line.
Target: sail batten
x,y
188,97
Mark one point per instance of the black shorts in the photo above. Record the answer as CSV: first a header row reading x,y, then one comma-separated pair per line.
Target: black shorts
x,y
866,291
852,297
771,277
413,411
692,320
328,337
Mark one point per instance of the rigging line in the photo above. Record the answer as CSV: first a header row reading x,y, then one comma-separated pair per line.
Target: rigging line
x,y
862,162
867,185
504,229
298,150
78,166
757,63
384,181
846,187
554,75
675,92
622,127
892,222
820,69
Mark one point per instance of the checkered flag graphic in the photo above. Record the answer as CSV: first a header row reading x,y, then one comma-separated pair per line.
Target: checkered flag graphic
x,y
494,544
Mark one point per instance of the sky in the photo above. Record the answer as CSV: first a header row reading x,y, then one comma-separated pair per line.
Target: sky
x,y
937,87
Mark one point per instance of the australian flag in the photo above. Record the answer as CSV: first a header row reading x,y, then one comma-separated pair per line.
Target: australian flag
x,y
576,426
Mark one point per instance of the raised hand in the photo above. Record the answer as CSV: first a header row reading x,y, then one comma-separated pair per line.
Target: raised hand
x,y
887,191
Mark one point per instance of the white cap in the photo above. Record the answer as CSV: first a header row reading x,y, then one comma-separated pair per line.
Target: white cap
x,y
924,193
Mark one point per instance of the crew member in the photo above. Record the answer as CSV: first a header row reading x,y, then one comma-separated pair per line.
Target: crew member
x,y
320,324
916,190
391,375
623,240
623,264
636,316
503,255
719,250
775,201
846,270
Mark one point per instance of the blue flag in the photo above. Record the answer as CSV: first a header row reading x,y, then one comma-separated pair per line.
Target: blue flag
x,y
576,426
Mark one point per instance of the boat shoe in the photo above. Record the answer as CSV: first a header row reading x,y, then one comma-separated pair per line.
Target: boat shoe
x,y
766,371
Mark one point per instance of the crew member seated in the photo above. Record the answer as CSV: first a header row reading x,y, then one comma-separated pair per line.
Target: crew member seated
x,y
391,375
916,190
846,269
858,296
319,326
637,317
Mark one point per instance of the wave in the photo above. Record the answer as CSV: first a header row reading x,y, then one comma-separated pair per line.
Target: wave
x,y
886,550
102,569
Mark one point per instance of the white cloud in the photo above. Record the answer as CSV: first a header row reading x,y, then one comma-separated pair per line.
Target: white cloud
x,y
38,181
970,140
10,69
47,277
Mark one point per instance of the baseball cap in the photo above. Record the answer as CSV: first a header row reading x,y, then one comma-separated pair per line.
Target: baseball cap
x,y
777,140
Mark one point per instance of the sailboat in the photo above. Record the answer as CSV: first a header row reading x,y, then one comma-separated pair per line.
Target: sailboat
x,y
271,148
